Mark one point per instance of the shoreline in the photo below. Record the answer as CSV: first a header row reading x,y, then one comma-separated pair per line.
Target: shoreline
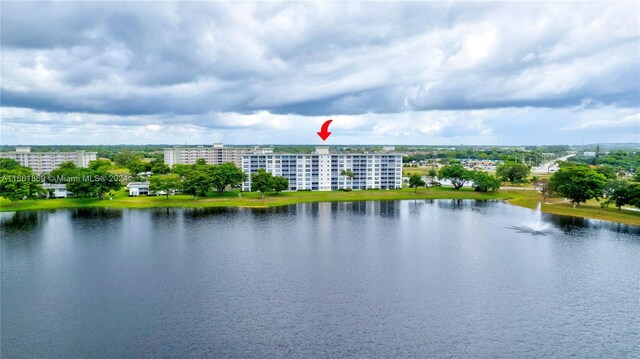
x,y
521,198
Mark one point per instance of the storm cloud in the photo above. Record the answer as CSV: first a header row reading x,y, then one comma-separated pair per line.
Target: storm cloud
x,y
426,72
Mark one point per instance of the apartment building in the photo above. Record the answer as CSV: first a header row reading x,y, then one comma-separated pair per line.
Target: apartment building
x,y
321,171
45,162
215,155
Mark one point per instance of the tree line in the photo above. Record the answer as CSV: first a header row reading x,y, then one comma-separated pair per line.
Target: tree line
x,y
580,183
575,181
103,176
201,177
458,176
618,160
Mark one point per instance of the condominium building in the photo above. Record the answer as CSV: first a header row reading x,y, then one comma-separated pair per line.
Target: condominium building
x,y
44,162
215,155
322,170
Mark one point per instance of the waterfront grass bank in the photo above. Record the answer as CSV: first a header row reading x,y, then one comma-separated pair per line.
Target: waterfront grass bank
x,y
524,198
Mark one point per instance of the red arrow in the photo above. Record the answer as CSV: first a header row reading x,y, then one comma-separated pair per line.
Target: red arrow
x,y
324,131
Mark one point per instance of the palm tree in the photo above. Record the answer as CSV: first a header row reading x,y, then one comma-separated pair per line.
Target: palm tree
x,y
347,173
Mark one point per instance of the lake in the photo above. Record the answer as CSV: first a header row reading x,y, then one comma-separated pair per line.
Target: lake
x,y
384,279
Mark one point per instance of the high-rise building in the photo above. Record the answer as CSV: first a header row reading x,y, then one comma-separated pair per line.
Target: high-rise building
x,y
322,171
45,162
214,155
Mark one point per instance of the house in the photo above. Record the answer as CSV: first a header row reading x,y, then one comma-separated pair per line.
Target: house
x,y
56,190
138,188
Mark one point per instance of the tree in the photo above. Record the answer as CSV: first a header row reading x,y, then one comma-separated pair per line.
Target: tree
x,y
12,188
545,188
200,162
196,183
279,184
432,173
432,176
226,174
457,174
636,176
125,157
621,193
416,181
100,164
483,182
88,183
633,193
9,164
514,172
534,180
181,169
578,183
261,182
138,166
165,183
608,171
64,173
106,183
17,182
347,173
159,168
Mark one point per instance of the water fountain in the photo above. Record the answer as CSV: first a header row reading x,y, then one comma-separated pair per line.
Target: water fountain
x,y
536,226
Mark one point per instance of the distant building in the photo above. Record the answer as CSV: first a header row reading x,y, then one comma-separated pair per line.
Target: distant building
x,y
263,150
388,148
55,190
138,188
589,154
321,171
45,162
214,155
485,165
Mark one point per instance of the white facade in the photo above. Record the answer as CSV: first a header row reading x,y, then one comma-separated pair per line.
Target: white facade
x,y
138,188
45,162
214,155
54,190
321,171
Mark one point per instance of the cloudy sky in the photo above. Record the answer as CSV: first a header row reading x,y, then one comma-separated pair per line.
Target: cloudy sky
x,y
386,73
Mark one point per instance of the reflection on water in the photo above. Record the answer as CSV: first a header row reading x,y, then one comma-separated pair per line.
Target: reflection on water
x,y
209,211
19,221
417,278
529,230
101,213
28,220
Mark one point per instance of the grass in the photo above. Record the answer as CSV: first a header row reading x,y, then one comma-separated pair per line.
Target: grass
x,y
522,198
591,209
422,171
247,199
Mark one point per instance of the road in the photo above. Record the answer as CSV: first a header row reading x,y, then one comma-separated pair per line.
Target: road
x,y
544,168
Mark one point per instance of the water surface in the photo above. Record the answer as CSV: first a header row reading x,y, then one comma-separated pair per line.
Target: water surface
x,y
366,279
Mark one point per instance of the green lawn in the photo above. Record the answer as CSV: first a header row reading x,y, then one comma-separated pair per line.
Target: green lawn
x,y
591,209
523,198
247,199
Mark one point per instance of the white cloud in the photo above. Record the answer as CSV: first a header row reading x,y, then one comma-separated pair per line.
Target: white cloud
x,y
392,72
